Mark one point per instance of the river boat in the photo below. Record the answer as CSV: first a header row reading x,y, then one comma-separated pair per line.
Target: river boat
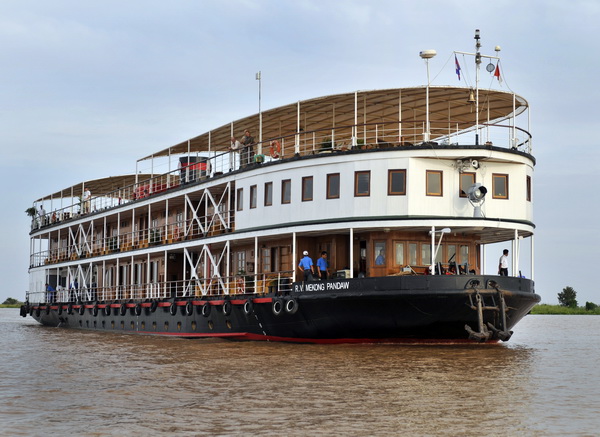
x,y
402,188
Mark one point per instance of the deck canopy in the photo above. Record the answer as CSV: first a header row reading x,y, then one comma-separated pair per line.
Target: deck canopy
x,y
449,110
107,187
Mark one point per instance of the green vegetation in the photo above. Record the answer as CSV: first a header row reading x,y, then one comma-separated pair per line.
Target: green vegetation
x,y
568,297
563,310
11,303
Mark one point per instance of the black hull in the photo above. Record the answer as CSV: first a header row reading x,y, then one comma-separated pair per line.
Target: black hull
x,y
394,309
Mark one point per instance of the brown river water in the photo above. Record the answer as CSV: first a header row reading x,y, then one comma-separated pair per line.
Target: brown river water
x,y
544,382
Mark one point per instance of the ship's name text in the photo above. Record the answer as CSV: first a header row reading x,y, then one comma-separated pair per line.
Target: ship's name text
x,y
321,286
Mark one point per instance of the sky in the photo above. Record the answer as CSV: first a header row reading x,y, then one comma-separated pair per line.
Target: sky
x,y
87,88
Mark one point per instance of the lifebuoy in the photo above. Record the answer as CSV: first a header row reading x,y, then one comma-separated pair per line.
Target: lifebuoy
x,y
277,306
275,149
291,306
138,309
154,305
189,309
226,307
70,309
122,309
95,310
206,309
47,309
107,310
248,307
81,309
173,308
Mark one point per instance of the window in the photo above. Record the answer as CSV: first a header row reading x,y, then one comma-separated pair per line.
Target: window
x,y
286,191
333,186
397,182
379,253
434,183
412,253
362,183
466,180
500,186
266,259
241,262
307,188
464,254
239,199
426,254
268,193
528,182
253,196
399,253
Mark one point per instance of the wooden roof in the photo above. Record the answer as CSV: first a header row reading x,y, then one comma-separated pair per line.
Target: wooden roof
x,y
447,105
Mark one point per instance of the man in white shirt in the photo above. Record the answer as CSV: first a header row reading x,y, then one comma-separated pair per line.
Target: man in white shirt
x,y
503,264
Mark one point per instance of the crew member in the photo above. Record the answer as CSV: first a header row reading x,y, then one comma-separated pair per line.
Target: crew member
x,y
306,266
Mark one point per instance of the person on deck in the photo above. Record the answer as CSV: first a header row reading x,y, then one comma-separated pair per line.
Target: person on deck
x,y
306,266
380,260
503,263
247,155
323,266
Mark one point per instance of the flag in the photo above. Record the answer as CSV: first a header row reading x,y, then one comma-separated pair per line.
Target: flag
x,y
497,72
457,67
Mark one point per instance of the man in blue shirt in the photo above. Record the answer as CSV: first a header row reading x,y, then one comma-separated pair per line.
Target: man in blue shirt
x,y
306,266
323,266
380,260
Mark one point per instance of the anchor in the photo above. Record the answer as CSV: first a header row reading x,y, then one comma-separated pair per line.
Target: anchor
x,y
502,334
483,335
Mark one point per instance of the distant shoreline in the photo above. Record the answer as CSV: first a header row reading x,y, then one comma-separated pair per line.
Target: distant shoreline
x,y
562,310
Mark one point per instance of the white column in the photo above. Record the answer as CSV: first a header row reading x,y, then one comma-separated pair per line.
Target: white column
x,y
432,250
532,258
294,257
351,252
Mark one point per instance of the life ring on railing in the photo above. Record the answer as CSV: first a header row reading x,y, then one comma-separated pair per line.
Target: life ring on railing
x,y
206,309
107,309
70,309
95,310
248,307
122,309
275,149
138,310
81,309
153,305
189,309
173,308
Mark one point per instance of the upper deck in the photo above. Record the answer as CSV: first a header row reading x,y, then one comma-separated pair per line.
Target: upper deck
x,y
344,123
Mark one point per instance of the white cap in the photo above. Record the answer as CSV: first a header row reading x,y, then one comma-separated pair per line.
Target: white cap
x,y
305,252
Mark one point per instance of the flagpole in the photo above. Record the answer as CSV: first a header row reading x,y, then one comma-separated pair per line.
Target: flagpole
x,y
477,64
259,79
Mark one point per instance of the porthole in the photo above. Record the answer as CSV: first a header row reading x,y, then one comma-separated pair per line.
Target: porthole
x,y
210,325
87,323
112,324
95,324
103,324
154,326
166,326
81,323
122,324
179,326
132,325
194,325
228,323
143,326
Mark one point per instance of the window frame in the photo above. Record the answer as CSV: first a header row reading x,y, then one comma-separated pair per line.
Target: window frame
x,y
461,191
496,176
239,199
428,192
268,194
357,175
305,197
253,196
390,177
284,183
330,176
528,188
